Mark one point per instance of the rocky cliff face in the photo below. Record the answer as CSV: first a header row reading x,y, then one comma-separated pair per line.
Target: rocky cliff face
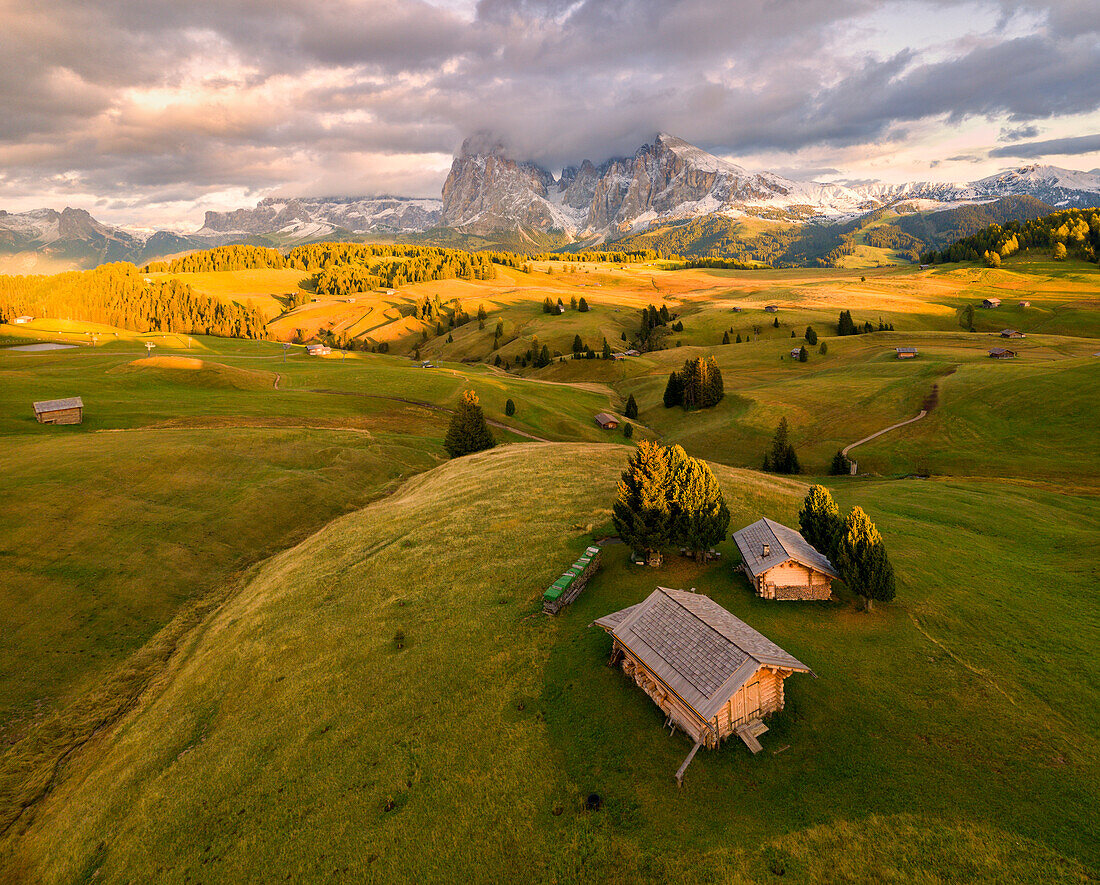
x,y
303,217
669,179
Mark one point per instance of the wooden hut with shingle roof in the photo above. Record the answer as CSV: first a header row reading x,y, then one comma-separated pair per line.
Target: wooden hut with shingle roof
x,y
60,411
781,564
710,672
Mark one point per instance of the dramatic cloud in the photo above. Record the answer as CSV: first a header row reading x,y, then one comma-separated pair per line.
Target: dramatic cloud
x,y
165,107
1081,144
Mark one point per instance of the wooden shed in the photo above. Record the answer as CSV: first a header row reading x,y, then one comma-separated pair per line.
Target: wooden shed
x,y
771,308
991,302
21,321
1025,304
906,353
607,421
781,564
318,349
60,411
711,673
1002,353
1012,333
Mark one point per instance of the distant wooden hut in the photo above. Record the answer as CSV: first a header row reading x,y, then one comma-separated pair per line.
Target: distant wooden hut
x,y
771,308
607,421
60,411
796,352
1002,353
710,672
990,303
318,349
1012,333
906,353
737,310
781,564
1025,304
23,320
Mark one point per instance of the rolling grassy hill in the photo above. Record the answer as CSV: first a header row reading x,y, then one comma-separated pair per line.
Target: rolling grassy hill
x,y
199,679
291,736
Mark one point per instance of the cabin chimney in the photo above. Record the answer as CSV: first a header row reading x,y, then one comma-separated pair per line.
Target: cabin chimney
x,y
765,550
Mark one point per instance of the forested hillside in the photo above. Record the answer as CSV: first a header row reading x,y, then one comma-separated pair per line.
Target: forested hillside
x,y
118,295
1068,233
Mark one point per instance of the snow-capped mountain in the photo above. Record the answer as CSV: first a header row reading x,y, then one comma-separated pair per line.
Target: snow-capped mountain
x,y
310,218
672,179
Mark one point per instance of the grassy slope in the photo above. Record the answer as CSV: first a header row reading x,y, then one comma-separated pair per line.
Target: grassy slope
x,y
292,722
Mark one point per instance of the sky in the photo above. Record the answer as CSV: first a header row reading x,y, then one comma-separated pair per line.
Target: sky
x,y
149,112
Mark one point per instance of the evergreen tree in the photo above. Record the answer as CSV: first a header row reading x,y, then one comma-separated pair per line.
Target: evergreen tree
x,y
839,465
544,358
631,410
725,337
583,305
606,350
819,520
699,516
781,458
641,511
468,431
776,322
793,335
811,336
509,408
803,356
738,341
578,345
674,391
628,429
861,559
573,298
824,349
481,315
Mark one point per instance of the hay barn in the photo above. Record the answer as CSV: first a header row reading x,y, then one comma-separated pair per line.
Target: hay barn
x,y
1002,353
906,353
781,564
711,673
60,411
607,421
990,303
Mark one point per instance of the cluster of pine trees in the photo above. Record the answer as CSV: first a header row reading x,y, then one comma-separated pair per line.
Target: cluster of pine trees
x,y
1076,231
698,385
847,326
611,256
666,498
651,331
117,295
221,258
853,544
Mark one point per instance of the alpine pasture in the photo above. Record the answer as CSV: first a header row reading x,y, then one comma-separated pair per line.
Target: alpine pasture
x,y
258,627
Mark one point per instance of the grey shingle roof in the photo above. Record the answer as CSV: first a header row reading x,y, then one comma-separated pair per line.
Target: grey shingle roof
x,y
57,405
695,647
905,349
784,543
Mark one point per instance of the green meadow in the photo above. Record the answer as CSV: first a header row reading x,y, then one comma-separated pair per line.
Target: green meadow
x,y
258,628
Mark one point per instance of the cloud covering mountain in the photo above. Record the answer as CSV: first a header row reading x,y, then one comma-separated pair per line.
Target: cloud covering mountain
x,y
152,107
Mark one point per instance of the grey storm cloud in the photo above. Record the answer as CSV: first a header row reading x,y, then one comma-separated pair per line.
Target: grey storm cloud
x,y
1080,144
282,88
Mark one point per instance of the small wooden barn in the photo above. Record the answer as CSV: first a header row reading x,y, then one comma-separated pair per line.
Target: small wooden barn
x,y
318,349
607,421
1002,353
60,411
991,302
906,353
1025,304
22,321
1012,333
771,308
781,564
711,673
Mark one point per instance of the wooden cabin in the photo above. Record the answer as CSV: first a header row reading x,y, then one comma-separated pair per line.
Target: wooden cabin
x,y
22,321
711,673
1012,333
781,564
906,353
1002,353
796,352
771,308
318,349
60,411
990,303
1025,304
607,421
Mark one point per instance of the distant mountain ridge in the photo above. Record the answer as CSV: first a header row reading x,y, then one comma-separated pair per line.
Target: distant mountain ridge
x,y
492,199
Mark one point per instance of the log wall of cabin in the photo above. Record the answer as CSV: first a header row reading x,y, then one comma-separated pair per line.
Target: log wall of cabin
x,y
682,715
793,580
761,695
61,416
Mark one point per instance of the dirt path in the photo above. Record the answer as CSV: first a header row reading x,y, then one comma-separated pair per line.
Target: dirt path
x,y
590,386
277,377
879,433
